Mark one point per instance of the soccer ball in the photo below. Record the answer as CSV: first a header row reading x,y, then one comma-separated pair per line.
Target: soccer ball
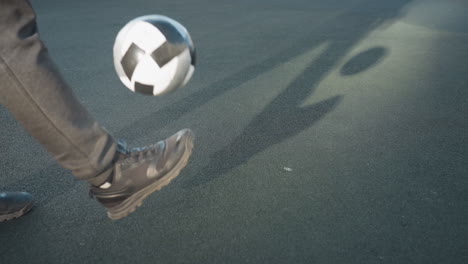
x,y
154,55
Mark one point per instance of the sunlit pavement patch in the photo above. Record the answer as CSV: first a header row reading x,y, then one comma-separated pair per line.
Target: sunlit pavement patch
x,y
446,15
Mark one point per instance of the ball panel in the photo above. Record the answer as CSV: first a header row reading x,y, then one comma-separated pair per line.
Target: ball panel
x,y
143,88
118,56
167,52
147,71
143,34
165,77
182,63
131,58
188,76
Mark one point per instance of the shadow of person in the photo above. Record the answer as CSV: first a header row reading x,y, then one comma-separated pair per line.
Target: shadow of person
x,y
364,60
283,117
346,22
259,135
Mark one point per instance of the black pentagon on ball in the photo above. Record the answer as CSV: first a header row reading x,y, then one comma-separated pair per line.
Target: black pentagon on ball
x,y
143,88
166,52
131,59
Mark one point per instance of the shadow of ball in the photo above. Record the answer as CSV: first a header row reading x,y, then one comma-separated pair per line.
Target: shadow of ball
x,y
363,61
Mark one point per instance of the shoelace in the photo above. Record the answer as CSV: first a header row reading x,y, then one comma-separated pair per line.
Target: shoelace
x,y
134,154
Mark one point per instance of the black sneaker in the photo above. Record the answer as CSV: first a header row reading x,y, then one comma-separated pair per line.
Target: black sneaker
x,y
14,205
142,171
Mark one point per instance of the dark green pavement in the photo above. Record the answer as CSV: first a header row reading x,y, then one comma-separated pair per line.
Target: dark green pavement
x,y
328,131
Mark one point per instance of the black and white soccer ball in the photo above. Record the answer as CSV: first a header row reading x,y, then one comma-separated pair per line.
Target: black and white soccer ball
x,y
154,55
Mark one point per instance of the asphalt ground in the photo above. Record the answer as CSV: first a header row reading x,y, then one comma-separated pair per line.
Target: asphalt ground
x,y
328,131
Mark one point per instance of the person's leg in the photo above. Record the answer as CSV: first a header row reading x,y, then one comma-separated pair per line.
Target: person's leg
x,y
33,90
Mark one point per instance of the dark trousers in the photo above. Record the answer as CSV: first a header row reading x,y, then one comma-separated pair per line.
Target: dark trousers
x,y
34,92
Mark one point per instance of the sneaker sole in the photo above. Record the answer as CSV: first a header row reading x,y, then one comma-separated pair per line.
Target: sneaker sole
x,y
14,215
129,205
